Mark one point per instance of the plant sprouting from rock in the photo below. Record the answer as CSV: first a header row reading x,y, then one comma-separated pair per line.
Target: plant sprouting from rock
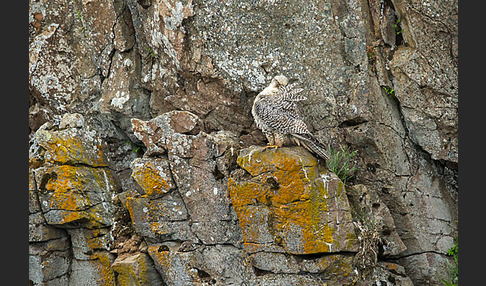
x,y
398,30
454,271
388,90
341,162
371,58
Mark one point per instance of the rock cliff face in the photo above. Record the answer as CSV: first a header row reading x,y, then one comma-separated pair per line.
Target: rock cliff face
x,y
144,165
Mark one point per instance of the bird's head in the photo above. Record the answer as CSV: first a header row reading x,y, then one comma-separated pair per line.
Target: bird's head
x,y
280,80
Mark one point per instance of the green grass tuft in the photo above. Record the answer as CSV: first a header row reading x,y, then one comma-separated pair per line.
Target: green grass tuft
x,y
454,271
341,162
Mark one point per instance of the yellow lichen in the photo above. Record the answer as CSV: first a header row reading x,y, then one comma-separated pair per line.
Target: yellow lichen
x,y
125,275
67,191
151,180
71,149
288,198
103,265
132,271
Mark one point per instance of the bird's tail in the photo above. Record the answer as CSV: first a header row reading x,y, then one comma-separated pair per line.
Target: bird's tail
x,y
313,145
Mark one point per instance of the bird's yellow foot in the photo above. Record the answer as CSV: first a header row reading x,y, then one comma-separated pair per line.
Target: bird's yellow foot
x,y
269,146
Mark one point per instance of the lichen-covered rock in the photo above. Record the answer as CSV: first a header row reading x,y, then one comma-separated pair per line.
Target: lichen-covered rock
x,y
136,270
71,146
204,265
70,199
290,204
96,271
70,195
153,176
380,77
336,268
176,268
160,219
197,164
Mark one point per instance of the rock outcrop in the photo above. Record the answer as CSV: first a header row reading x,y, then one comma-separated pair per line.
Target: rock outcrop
x,y
138,111
70,207
289,204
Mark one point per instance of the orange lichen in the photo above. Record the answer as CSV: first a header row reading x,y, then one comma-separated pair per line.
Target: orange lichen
x,y
72,149
129,204
160,257
126,276
247,193
68,191
102,263
132,271
151,180
283,196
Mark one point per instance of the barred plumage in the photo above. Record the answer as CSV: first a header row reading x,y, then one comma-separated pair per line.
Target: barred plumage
x,y
276,113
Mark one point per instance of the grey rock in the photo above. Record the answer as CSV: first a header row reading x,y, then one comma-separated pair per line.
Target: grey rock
x,y
373,212
274,262
161,219
85,241
137,269
179,77
71,120
49,260
202,266
92,272
39,231
427,267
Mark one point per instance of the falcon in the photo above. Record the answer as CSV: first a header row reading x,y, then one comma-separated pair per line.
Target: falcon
x,y
277,115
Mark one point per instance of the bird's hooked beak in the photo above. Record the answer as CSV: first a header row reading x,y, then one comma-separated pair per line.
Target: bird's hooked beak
x,y
280,80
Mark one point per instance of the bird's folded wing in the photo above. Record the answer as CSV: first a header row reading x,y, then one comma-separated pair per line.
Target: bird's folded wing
x,y
279,118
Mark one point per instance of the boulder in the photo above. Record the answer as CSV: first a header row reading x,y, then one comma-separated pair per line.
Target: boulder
x,y
136,270
287,203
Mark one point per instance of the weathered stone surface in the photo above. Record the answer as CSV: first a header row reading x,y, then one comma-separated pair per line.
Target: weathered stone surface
x,y
380,77
39,231
430,111
337,268
387,273
34,205
153,176
49,261
91,264
162,219
71,120
197,164
184,122
208,265
71,146
86,242
136,270
70,195
70,187
49,269
290,203
96,271
175,268
429,267
375,216
153,133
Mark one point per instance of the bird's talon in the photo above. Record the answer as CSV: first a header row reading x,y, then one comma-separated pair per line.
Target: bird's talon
x,y
270,146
